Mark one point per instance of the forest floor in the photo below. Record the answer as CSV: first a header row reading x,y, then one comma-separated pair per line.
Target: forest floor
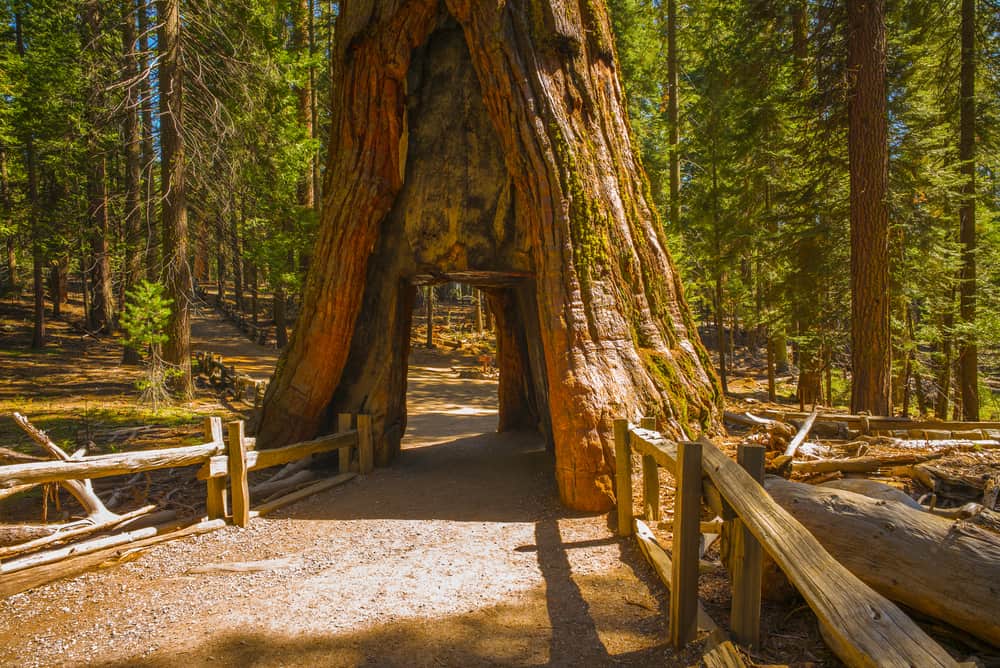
x,y
459,554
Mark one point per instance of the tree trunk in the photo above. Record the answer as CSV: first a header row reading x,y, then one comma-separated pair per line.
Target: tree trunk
x,y
279,310
941,568
102,303
553,207
944,370
59,284
177,349
673,118
84,286
868,153
968,358
236,253
37,251
134,244
720,335
479,296
771,393
220,261
254,306
149,192
11,241
429,314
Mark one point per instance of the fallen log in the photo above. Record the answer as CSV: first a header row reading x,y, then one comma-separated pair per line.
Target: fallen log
x,y
948,570
800,436
15,583
76,530
81,490
861,464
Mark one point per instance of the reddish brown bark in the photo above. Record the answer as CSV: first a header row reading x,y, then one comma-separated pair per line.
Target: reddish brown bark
x,y
868,153
102,303
968,355
492,138
177,350
133,165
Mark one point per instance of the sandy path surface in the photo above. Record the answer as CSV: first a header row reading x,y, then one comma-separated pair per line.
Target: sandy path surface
x,y
457,555
210,332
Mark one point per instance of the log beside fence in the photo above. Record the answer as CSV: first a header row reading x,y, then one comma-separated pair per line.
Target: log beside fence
x,y
861,626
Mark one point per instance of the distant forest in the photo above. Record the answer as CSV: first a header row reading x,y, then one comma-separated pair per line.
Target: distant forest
x,y
183,141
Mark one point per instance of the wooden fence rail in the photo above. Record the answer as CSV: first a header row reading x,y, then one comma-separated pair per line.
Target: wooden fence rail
x,y
219,460
862,627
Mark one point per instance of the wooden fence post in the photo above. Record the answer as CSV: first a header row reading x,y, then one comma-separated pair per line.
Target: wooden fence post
x,y
746,561
215,495
239,488
687,511
623,476
650,479
366,444
344,424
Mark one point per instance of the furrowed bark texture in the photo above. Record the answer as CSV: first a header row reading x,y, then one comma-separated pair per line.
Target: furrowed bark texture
x,y
177,350
868,154
968,355
491,138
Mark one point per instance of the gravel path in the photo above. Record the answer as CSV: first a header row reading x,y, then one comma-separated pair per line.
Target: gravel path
x,y
457,555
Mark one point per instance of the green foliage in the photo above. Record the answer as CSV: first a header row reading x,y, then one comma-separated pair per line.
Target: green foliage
x,y
147,311
764,184
144,322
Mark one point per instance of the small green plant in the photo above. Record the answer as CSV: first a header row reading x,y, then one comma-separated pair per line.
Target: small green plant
x,y
144,321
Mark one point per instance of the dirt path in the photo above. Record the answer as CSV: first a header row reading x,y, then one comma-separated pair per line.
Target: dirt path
x,y
210,332
458,555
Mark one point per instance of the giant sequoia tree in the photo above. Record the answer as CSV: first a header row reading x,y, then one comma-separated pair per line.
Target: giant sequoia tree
x,y
488,141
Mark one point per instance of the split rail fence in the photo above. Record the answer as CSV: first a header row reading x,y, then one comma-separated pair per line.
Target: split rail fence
x,y
861,626
225,464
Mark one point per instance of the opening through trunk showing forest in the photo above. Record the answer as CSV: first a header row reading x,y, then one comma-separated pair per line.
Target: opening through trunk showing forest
x,y
488,143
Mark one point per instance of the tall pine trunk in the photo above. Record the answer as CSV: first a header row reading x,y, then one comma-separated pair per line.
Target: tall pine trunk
x,y
177,271
134,237
37,250
102,303
673,117
868,154
150,250
968,358
10,243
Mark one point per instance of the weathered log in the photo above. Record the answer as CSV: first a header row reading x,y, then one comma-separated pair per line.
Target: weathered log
x,y
17,582
81,490
76,530
497,144
973,513
800,436
948,570
103,466
881,423
861,464
872,489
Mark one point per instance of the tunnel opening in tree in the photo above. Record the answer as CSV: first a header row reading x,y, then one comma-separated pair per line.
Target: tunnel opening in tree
x,y
492,139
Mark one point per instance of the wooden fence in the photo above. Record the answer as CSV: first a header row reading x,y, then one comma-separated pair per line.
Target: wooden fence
x,y
222,461
861,626
225,465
